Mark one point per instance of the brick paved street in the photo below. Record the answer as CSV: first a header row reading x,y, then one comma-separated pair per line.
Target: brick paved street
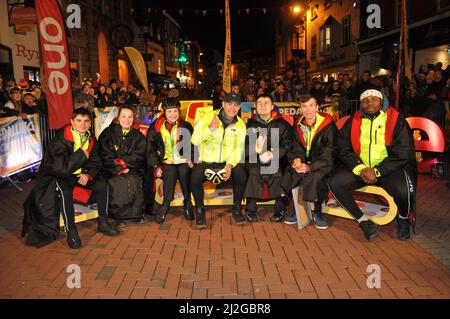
x,y
261,260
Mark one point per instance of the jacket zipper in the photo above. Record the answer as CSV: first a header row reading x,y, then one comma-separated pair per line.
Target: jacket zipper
x,y
309,142
370,142
221,145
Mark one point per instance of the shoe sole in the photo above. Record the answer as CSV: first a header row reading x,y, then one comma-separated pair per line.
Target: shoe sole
x,y
240,224
404,238
290,223
200,226
109,235
371,238
321,227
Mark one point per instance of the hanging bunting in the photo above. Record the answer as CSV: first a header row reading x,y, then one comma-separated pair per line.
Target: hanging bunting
x,y
180,11
204,13
264,10
247,10
164,11
149,10
221,11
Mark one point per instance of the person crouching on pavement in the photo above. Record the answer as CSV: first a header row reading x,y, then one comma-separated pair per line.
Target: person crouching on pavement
x,y
123,154
73,159
220,138
377,148
312,157
269,138
169,156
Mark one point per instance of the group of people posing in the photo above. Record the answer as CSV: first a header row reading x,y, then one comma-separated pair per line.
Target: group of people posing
x,y
264,159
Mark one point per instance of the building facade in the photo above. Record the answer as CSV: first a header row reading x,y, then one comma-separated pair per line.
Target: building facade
x,y
331,29
97,47
429,36
19,52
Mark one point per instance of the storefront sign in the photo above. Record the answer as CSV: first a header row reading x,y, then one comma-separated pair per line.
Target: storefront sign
x,y
28,54
21,16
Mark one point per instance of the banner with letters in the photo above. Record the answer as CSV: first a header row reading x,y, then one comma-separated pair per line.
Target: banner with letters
x,y
20,144
55,58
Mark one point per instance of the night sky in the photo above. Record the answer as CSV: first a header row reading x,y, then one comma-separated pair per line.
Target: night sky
x,y
254,31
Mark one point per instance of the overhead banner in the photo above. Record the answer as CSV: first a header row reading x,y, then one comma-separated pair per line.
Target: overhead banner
x,y
227,58
20,144
139,65
52,37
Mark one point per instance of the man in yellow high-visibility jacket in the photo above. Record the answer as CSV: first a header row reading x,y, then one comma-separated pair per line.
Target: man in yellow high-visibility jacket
x,y
377,148
220,138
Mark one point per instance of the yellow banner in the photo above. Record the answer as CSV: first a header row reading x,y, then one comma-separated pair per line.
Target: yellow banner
x,y
227,60
138,64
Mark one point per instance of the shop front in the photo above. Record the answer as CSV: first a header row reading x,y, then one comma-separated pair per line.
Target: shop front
x,y
19,51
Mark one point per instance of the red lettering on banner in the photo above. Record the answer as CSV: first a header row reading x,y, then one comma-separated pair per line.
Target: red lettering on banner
x,y
435,143
55,57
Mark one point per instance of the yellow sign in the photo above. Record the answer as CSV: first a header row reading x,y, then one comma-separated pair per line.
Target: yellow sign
x,y
227,60
138,64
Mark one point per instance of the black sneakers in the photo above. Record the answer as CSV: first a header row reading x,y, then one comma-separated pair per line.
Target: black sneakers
x,y
403,232
107,229
73,239
200,218
370,229
188,211
237,215
253,217
278,216
161,217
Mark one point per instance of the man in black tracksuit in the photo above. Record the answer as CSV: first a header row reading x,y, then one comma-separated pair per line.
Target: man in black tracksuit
x,y
269,138
377,148
312,157
73,160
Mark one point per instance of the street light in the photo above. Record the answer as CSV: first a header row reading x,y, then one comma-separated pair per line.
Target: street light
x,y
200,70
297,9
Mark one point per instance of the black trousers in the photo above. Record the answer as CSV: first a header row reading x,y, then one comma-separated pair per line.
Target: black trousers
x,y
65,188
399,184
280,204
171,173
238,179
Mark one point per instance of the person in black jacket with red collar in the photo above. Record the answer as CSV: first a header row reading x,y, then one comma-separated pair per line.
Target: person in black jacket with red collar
x,y
73,159
123,150
312,157
269,138
169,156
377,148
